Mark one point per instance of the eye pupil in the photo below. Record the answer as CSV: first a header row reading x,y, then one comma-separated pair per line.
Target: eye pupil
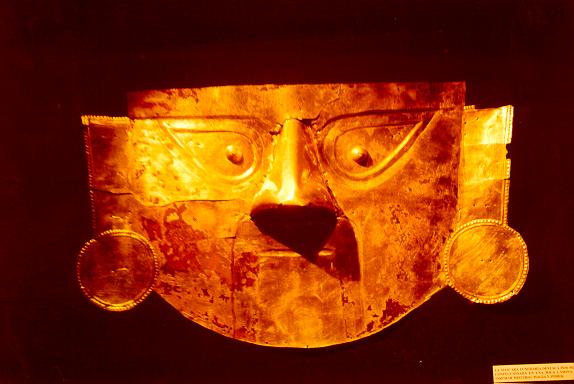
x,y
361,156
234,154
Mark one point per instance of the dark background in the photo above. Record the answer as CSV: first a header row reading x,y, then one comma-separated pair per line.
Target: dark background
x,y
60,59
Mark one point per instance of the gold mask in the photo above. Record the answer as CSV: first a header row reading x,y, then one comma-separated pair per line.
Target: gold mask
x,y
300,215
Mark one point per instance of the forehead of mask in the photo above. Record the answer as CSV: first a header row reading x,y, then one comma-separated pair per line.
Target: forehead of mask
x,y
276,103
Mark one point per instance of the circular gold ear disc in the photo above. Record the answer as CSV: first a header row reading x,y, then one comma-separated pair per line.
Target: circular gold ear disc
x,y
117,269
486,261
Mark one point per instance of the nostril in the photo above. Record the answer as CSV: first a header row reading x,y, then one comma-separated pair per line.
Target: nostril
x,y
304,229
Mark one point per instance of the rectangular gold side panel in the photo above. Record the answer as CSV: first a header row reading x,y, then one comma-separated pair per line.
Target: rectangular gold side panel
x,y
485,171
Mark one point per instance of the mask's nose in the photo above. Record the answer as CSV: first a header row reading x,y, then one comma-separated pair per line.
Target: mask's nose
x,y
294,206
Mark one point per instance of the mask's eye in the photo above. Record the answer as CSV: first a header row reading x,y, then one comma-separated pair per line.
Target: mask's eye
x,y
229,154
234,154
361,147
361,156
221,150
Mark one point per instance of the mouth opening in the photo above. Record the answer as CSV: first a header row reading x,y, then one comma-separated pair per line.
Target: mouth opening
x,y
304,229
314,233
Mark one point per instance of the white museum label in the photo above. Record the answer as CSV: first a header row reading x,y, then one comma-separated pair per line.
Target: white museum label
x,y
532,372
